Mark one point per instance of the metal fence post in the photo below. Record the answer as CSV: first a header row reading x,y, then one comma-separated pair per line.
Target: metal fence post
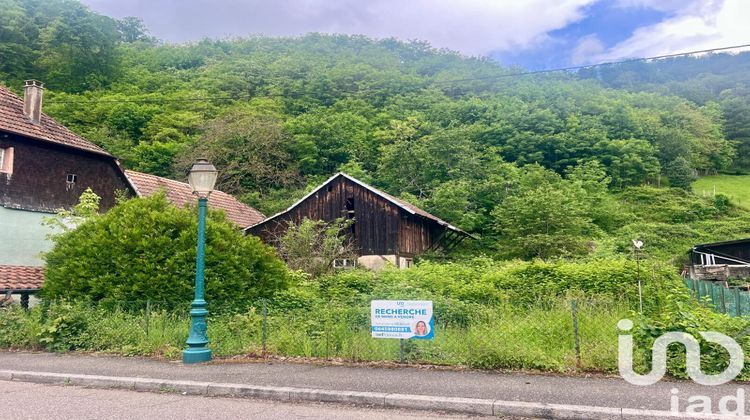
x,y
264,326
148,314
723,301
737,302
574,309
328,350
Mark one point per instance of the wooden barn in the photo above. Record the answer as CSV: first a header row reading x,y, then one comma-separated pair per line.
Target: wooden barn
x,y
385,228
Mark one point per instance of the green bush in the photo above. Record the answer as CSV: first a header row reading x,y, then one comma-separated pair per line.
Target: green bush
x,y
520,283
18,328
68,328
671,205
679,313
145,248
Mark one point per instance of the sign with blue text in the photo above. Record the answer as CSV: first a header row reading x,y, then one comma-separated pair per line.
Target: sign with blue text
x,y
402,319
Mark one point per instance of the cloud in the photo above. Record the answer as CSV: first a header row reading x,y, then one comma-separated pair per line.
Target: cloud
x,y
473,27
588,46
697,25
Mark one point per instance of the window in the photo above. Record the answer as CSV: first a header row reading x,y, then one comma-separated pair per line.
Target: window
x,y
70,181
350,216
344,263
6,160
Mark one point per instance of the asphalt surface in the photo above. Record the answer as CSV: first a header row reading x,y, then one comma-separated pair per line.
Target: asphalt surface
x,y
36,401
589,391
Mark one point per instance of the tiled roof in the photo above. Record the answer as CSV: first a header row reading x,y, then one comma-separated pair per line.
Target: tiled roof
x,y
18,277
180,193
398,202
13,120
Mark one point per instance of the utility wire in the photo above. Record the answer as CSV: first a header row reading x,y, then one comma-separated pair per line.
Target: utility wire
x,y
588,66
430,83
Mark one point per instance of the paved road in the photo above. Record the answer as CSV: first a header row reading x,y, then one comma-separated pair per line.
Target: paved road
x,y
35,401
591,391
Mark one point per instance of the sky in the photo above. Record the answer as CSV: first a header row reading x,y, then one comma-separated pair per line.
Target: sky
x,y
535,34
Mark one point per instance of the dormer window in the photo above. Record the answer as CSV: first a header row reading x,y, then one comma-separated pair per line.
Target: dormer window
x,y
6,160
70,181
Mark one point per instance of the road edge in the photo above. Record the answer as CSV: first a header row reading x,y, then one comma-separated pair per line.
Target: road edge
x,y
473,406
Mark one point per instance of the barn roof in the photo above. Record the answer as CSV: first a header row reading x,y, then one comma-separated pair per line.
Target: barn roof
x,y
181,193
408,207
722,243
13,120
17,278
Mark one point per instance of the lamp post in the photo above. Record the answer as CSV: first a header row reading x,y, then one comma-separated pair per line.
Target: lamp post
x,y
202,178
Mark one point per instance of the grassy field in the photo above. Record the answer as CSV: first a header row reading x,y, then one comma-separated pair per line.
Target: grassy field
x,y
736,187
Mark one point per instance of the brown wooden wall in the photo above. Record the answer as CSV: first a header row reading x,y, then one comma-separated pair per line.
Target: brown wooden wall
x,y
40,171
380,227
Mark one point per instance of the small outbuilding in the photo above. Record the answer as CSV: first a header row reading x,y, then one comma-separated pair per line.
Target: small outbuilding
x,y
721,260
385,229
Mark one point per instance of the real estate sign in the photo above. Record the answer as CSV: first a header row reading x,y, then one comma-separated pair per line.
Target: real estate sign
x,y
402,319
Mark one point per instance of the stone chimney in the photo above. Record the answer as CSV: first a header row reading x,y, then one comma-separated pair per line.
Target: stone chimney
x,y
33,90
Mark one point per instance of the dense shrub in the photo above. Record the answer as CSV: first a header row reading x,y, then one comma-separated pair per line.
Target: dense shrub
x,y
680,313
519,283
672,205
145,248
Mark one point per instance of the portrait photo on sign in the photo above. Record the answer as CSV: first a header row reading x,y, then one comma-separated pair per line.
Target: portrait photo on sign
x,y
421,329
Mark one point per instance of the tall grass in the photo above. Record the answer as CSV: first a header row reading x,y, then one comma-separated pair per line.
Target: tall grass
x,y
533,337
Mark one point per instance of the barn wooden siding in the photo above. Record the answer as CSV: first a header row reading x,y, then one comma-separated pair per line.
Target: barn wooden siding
x,y
380,227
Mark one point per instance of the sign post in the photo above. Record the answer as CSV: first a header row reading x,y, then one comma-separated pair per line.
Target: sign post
x,y
402,319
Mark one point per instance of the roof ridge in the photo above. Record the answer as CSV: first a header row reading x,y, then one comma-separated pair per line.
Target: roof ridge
x,y
180,193
411,208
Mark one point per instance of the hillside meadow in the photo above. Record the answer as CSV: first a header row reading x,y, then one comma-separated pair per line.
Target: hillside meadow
x,y
736,187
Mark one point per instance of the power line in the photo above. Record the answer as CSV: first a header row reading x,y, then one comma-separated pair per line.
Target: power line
x,y
588,66
434,82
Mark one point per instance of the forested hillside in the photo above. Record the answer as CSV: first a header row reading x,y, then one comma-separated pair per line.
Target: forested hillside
x,y
720,79
558,161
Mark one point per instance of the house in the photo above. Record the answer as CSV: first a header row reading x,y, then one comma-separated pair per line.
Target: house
x,y
385,229
721,261
43,167
181,194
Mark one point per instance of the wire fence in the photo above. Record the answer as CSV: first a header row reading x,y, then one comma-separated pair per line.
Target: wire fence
x,y
734,301
563,335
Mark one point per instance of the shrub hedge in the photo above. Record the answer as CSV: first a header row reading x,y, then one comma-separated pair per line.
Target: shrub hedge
x,y
144,248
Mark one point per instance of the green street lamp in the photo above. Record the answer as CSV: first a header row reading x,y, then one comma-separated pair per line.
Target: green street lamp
x,y
202,178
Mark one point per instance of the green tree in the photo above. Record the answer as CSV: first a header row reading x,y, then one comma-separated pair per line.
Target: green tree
x,y
681,174
66,220
545,217
313,245
251,149
77,47
132,29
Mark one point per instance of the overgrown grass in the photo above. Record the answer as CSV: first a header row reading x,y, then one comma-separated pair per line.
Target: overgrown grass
x,y
488,314
538,338
736,187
